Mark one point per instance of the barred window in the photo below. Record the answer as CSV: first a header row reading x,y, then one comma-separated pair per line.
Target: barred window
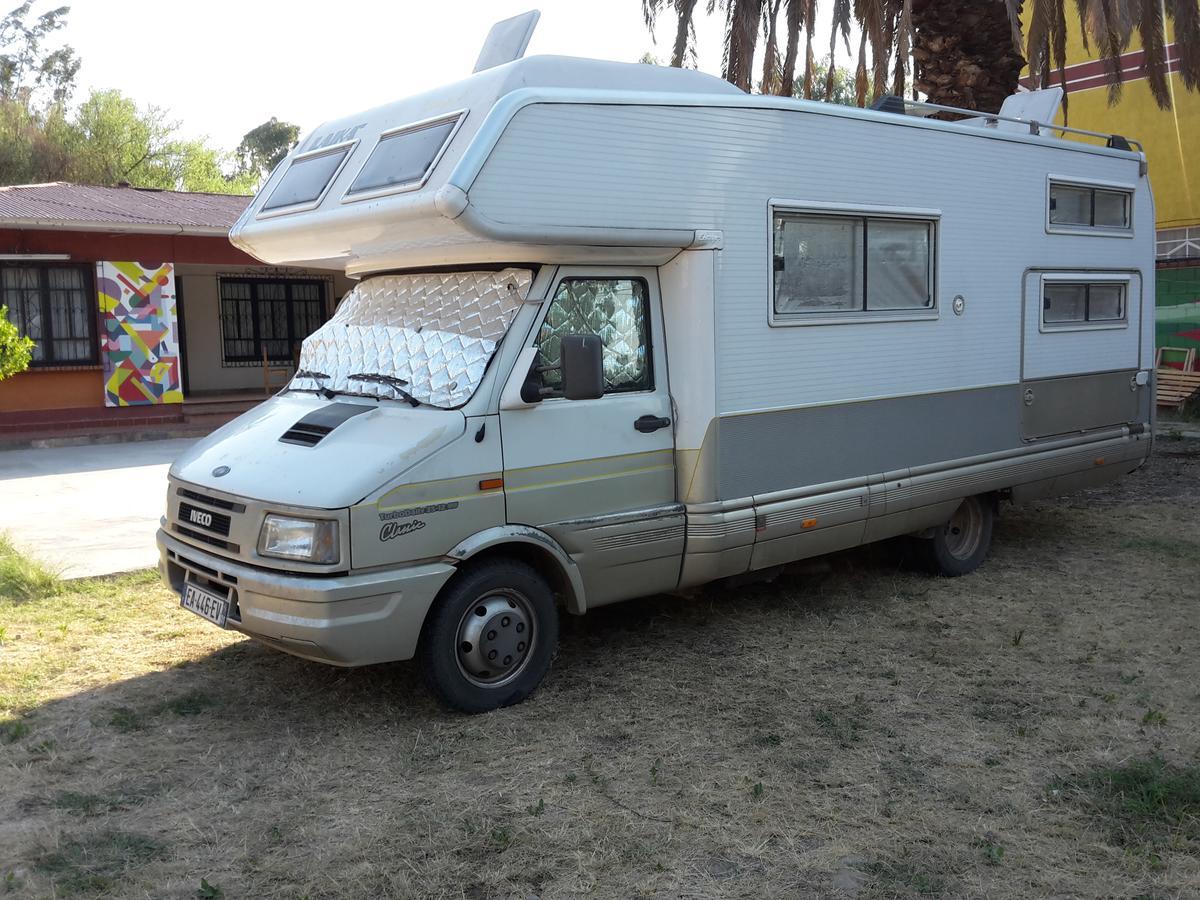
x,y
53,306
268,316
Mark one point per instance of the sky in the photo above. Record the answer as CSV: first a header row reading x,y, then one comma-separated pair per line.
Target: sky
x,y
221,67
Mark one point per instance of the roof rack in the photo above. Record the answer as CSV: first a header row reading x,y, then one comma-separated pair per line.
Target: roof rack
x,y
899,105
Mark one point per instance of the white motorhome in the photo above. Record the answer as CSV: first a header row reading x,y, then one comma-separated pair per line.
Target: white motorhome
x,y
622,330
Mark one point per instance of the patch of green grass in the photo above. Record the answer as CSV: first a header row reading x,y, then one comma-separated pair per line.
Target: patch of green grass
x,y
125,719
190,704
1154,717
907,877
1177,550
992,850
843,722
1148,804
85,804
13,730
23,578
98,863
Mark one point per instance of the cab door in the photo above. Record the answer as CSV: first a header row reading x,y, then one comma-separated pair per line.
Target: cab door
x,y
599,475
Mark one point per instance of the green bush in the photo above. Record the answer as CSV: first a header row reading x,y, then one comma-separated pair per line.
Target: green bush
x,y
15,351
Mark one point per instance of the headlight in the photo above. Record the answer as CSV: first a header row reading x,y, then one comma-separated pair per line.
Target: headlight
x,y
311,540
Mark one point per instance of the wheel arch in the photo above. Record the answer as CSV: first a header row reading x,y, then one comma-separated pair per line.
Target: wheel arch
x,y
534,547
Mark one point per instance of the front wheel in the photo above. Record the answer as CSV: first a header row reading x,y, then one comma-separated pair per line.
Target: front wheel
x,y
490,636
960,546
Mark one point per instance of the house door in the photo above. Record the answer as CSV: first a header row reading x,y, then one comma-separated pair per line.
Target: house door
x,y
599,475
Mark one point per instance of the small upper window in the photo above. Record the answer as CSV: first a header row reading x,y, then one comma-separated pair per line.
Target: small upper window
x,y
306,179
1074,303
403,158
844,264
1081,206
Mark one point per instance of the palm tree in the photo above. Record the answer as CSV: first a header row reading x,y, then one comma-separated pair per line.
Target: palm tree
x,y
966,53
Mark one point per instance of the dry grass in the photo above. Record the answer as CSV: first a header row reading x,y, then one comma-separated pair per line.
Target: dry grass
x,y
1031,730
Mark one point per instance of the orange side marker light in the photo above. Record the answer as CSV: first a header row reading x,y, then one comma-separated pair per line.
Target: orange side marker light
x,y
491,484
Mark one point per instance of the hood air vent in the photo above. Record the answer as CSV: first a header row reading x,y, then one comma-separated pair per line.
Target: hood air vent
x,y
312,429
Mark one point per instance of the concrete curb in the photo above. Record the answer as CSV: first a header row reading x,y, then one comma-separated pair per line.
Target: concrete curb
x,y
114,437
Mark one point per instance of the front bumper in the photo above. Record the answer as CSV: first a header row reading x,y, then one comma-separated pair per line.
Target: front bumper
x,y
344,620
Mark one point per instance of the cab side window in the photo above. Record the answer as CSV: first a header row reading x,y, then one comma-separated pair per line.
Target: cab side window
x,y
616,309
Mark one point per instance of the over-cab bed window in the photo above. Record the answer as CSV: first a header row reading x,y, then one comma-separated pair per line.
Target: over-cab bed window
x,y
403,158
1075,206
306,179
851,266
1073,302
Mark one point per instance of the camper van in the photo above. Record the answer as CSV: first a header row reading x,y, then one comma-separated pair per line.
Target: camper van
x,y
621,330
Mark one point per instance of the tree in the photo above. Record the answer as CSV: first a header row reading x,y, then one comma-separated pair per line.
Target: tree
x,y
108,139
966,53
264,147
25,71
15,351
845,89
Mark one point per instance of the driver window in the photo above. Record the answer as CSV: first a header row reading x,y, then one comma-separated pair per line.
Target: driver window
x,y
616,309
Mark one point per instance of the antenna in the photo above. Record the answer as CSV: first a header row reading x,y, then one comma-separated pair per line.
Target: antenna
x,y
507,40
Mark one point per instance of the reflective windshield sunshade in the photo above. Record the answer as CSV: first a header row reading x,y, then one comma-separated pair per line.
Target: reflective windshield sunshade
x,y
306,179
428,337
403,158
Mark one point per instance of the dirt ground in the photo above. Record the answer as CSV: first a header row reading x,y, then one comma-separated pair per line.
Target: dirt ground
x,y
851,730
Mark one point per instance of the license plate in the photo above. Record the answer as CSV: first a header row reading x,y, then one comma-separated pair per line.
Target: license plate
x,y
206,604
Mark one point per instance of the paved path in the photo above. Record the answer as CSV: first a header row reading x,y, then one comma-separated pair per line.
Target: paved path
x,y
89,510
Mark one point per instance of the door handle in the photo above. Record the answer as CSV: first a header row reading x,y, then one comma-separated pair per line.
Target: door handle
x,y
647,424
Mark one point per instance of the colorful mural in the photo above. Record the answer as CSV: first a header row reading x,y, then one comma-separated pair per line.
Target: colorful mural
x,y
141,338
1178,301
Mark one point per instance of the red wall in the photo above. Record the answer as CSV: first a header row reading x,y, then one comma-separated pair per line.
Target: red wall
x,y
93,246
82,389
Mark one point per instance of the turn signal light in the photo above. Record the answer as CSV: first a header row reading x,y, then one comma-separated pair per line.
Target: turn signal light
x,y
491,484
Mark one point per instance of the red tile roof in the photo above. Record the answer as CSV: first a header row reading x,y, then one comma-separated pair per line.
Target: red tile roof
x,y
64,206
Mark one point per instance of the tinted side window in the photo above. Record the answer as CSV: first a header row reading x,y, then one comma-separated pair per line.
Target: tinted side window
x,y
402,158
616,309
306,179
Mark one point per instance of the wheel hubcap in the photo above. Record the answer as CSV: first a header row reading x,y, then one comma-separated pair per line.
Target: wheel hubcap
x,y
964,531
495,638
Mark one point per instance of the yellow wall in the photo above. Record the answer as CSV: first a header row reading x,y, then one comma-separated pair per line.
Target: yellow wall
x,y
1171,137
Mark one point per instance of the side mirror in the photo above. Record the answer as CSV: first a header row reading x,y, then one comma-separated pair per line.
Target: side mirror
x,y
582,358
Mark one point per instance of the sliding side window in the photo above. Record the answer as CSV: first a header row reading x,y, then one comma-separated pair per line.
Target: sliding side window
x,y
851,266
1076,206
1070,305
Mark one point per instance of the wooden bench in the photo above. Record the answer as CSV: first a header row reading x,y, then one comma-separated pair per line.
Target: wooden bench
x,y
1175,388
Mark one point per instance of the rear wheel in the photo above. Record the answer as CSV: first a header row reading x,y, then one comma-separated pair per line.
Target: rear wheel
x,y
960,546
490,636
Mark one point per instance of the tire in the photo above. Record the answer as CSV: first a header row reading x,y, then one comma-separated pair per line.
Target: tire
x,y
490,636
960,546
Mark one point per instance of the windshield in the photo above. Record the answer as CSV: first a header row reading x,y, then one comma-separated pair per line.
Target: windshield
x,y
424,338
